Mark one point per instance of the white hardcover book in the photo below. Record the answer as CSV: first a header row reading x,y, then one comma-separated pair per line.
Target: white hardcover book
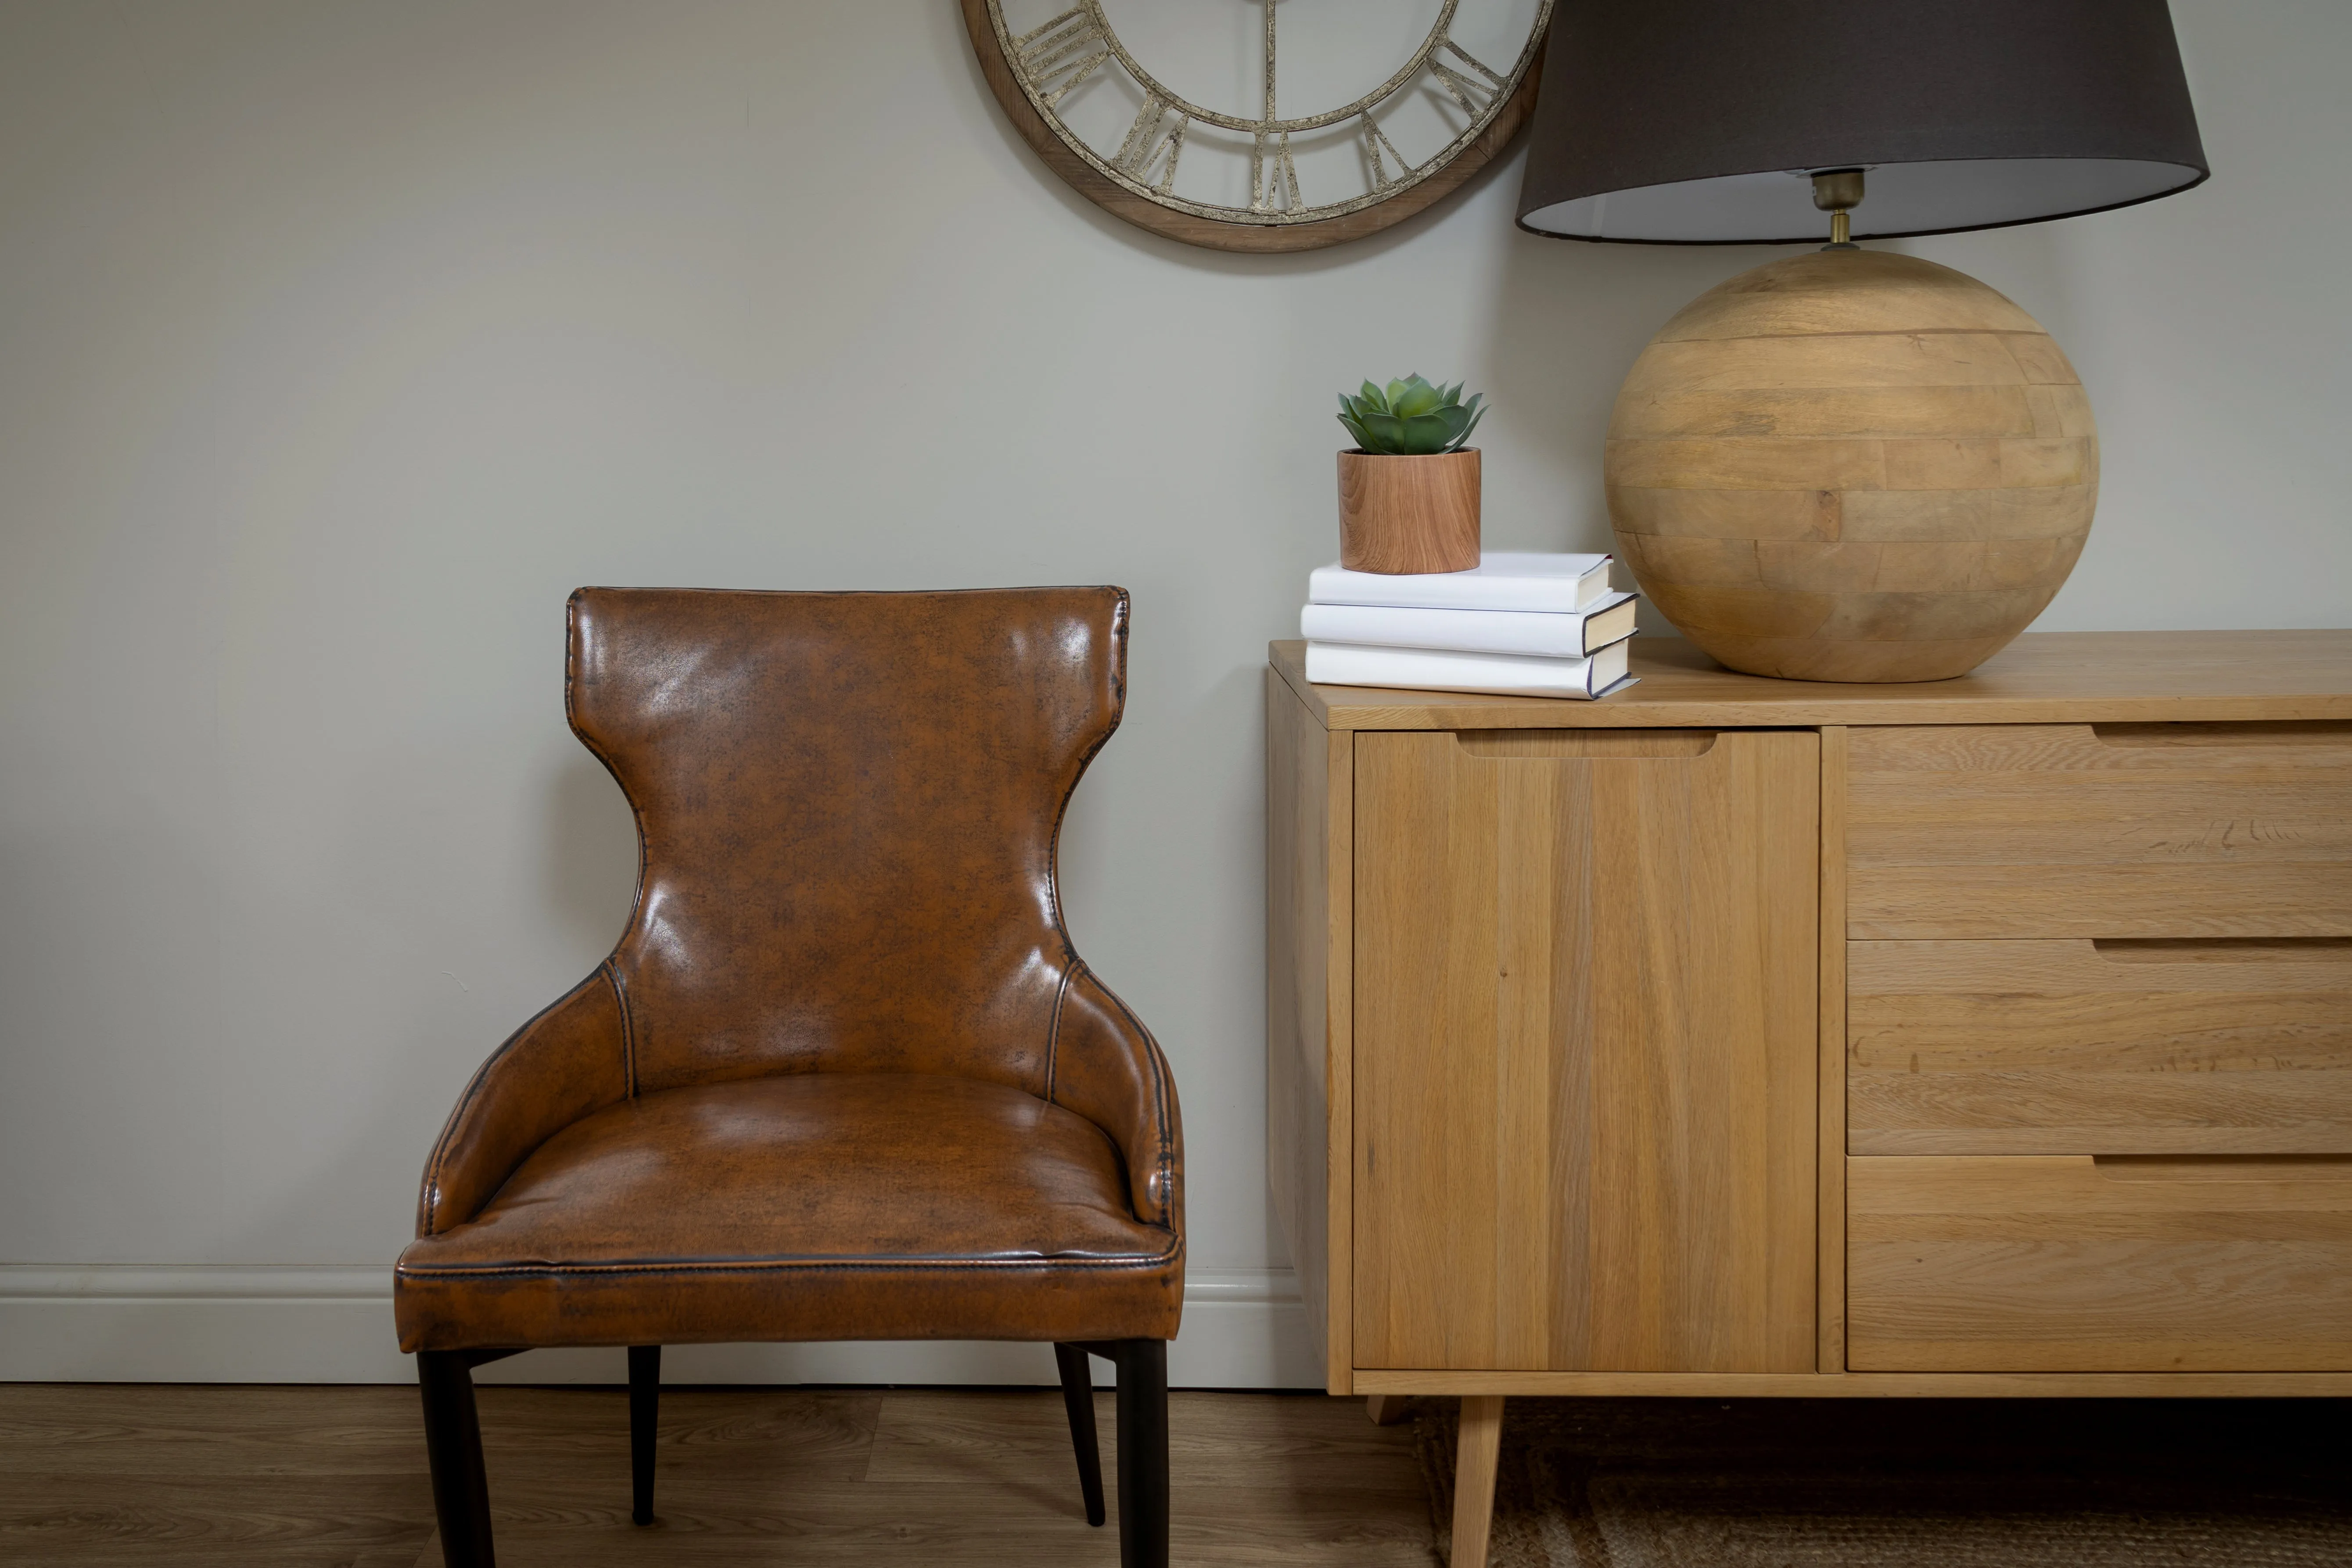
x,y
1503,580
1435,669
1548,635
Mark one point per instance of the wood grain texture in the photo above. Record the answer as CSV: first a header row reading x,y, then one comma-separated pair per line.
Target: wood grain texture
x,y
109,1476
1214,234
2068,1264
1851,465
1409,514
2081,1047
1480,1447
1829,1130
1585,1050
1307,849
1339,1059
1438,1382
2042,677
2079,831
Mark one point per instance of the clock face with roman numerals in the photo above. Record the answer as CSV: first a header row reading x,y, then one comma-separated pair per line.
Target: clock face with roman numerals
x,y
1262,124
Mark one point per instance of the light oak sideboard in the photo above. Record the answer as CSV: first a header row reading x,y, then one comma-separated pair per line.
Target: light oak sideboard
x,y
1742,1037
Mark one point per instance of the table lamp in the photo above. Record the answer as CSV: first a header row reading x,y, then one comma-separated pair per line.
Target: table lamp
x,y
1848,464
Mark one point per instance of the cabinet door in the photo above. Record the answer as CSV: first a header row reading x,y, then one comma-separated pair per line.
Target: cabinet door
x,y
1585,1042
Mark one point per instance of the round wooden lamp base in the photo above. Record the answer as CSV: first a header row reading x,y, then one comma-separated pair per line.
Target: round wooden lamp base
x,y
1851,464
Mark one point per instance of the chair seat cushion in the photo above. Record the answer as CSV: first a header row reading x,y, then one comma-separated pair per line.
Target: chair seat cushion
x,y
813,1206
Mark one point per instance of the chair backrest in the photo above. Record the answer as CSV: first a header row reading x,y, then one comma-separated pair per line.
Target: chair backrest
x,y
847,808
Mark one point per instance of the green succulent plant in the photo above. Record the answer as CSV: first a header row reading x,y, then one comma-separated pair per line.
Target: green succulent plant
x,y
1411,418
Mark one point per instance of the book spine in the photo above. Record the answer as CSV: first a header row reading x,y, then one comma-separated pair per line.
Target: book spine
x,y
1544,596
1520,675
1557,636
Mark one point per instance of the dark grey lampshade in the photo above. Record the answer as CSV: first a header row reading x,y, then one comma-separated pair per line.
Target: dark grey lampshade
x,y
1699,121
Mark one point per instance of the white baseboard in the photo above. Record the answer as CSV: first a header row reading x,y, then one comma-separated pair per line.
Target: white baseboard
x,y
1244,1328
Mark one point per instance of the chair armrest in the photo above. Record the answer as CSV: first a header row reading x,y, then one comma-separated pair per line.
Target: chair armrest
x,y
569,1061
1106,1067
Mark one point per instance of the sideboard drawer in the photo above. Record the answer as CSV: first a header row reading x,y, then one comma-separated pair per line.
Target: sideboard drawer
x,y
2099,1047
2100,830
2052,1264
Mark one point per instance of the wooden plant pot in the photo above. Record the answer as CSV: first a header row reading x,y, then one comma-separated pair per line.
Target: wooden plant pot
x,y
1409,514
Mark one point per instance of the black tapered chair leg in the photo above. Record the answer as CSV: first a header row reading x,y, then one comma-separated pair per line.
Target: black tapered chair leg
x,y
644,1420
453,1445
1142,1452
1078,1399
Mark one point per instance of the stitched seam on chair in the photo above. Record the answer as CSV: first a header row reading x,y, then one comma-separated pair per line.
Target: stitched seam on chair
x,y
1165,1160
429,1198
1053,1030
1062,812
1140,1264
1118,666
637,819
628,1027
1158,1060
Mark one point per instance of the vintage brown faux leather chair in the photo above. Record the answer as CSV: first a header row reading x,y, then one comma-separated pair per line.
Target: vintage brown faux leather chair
x,y
844,1078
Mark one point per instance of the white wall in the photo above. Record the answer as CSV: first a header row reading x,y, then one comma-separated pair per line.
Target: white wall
x,y
338,342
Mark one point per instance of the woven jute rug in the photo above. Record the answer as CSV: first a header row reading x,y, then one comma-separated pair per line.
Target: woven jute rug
x,y
1837,1483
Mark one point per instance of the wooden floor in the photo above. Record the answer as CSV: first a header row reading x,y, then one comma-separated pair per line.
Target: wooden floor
x,y
95,1474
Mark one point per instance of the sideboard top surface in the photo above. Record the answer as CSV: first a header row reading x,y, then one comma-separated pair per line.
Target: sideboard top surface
x,y
2042,677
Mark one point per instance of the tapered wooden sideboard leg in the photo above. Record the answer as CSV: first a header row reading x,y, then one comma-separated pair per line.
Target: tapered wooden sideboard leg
x,y
1385,1409
1473,1477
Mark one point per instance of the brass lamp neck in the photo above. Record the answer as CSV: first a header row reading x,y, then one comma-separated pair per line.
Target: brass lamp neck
x,y
1837,192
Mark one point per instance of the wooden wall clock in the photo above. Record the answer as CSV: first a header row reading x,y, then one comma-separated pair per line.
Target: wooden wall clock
x,y
1166,113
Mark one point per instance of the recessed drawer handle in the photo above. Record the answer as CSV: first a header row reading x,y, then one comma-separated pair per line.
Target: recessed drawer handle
x,y
2225,1167
2219,950
1599,744
2280,733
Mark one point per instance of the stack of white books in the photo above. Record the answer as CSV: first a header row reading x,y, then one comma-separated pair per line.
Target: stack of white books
x,y
1519,622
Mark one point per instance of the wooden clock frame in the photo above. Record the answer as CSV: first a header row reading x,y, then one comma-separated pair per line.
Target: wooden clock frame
x,y
1260,238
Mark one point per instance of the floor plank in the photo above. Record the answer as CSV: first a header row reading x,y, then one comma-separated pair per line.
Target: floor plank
x,y
146,1518
207,1429
98,1475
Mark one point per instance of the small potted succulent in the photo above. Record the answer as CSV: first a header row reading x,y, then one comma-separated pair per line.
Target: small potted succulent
x,y
1409,489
